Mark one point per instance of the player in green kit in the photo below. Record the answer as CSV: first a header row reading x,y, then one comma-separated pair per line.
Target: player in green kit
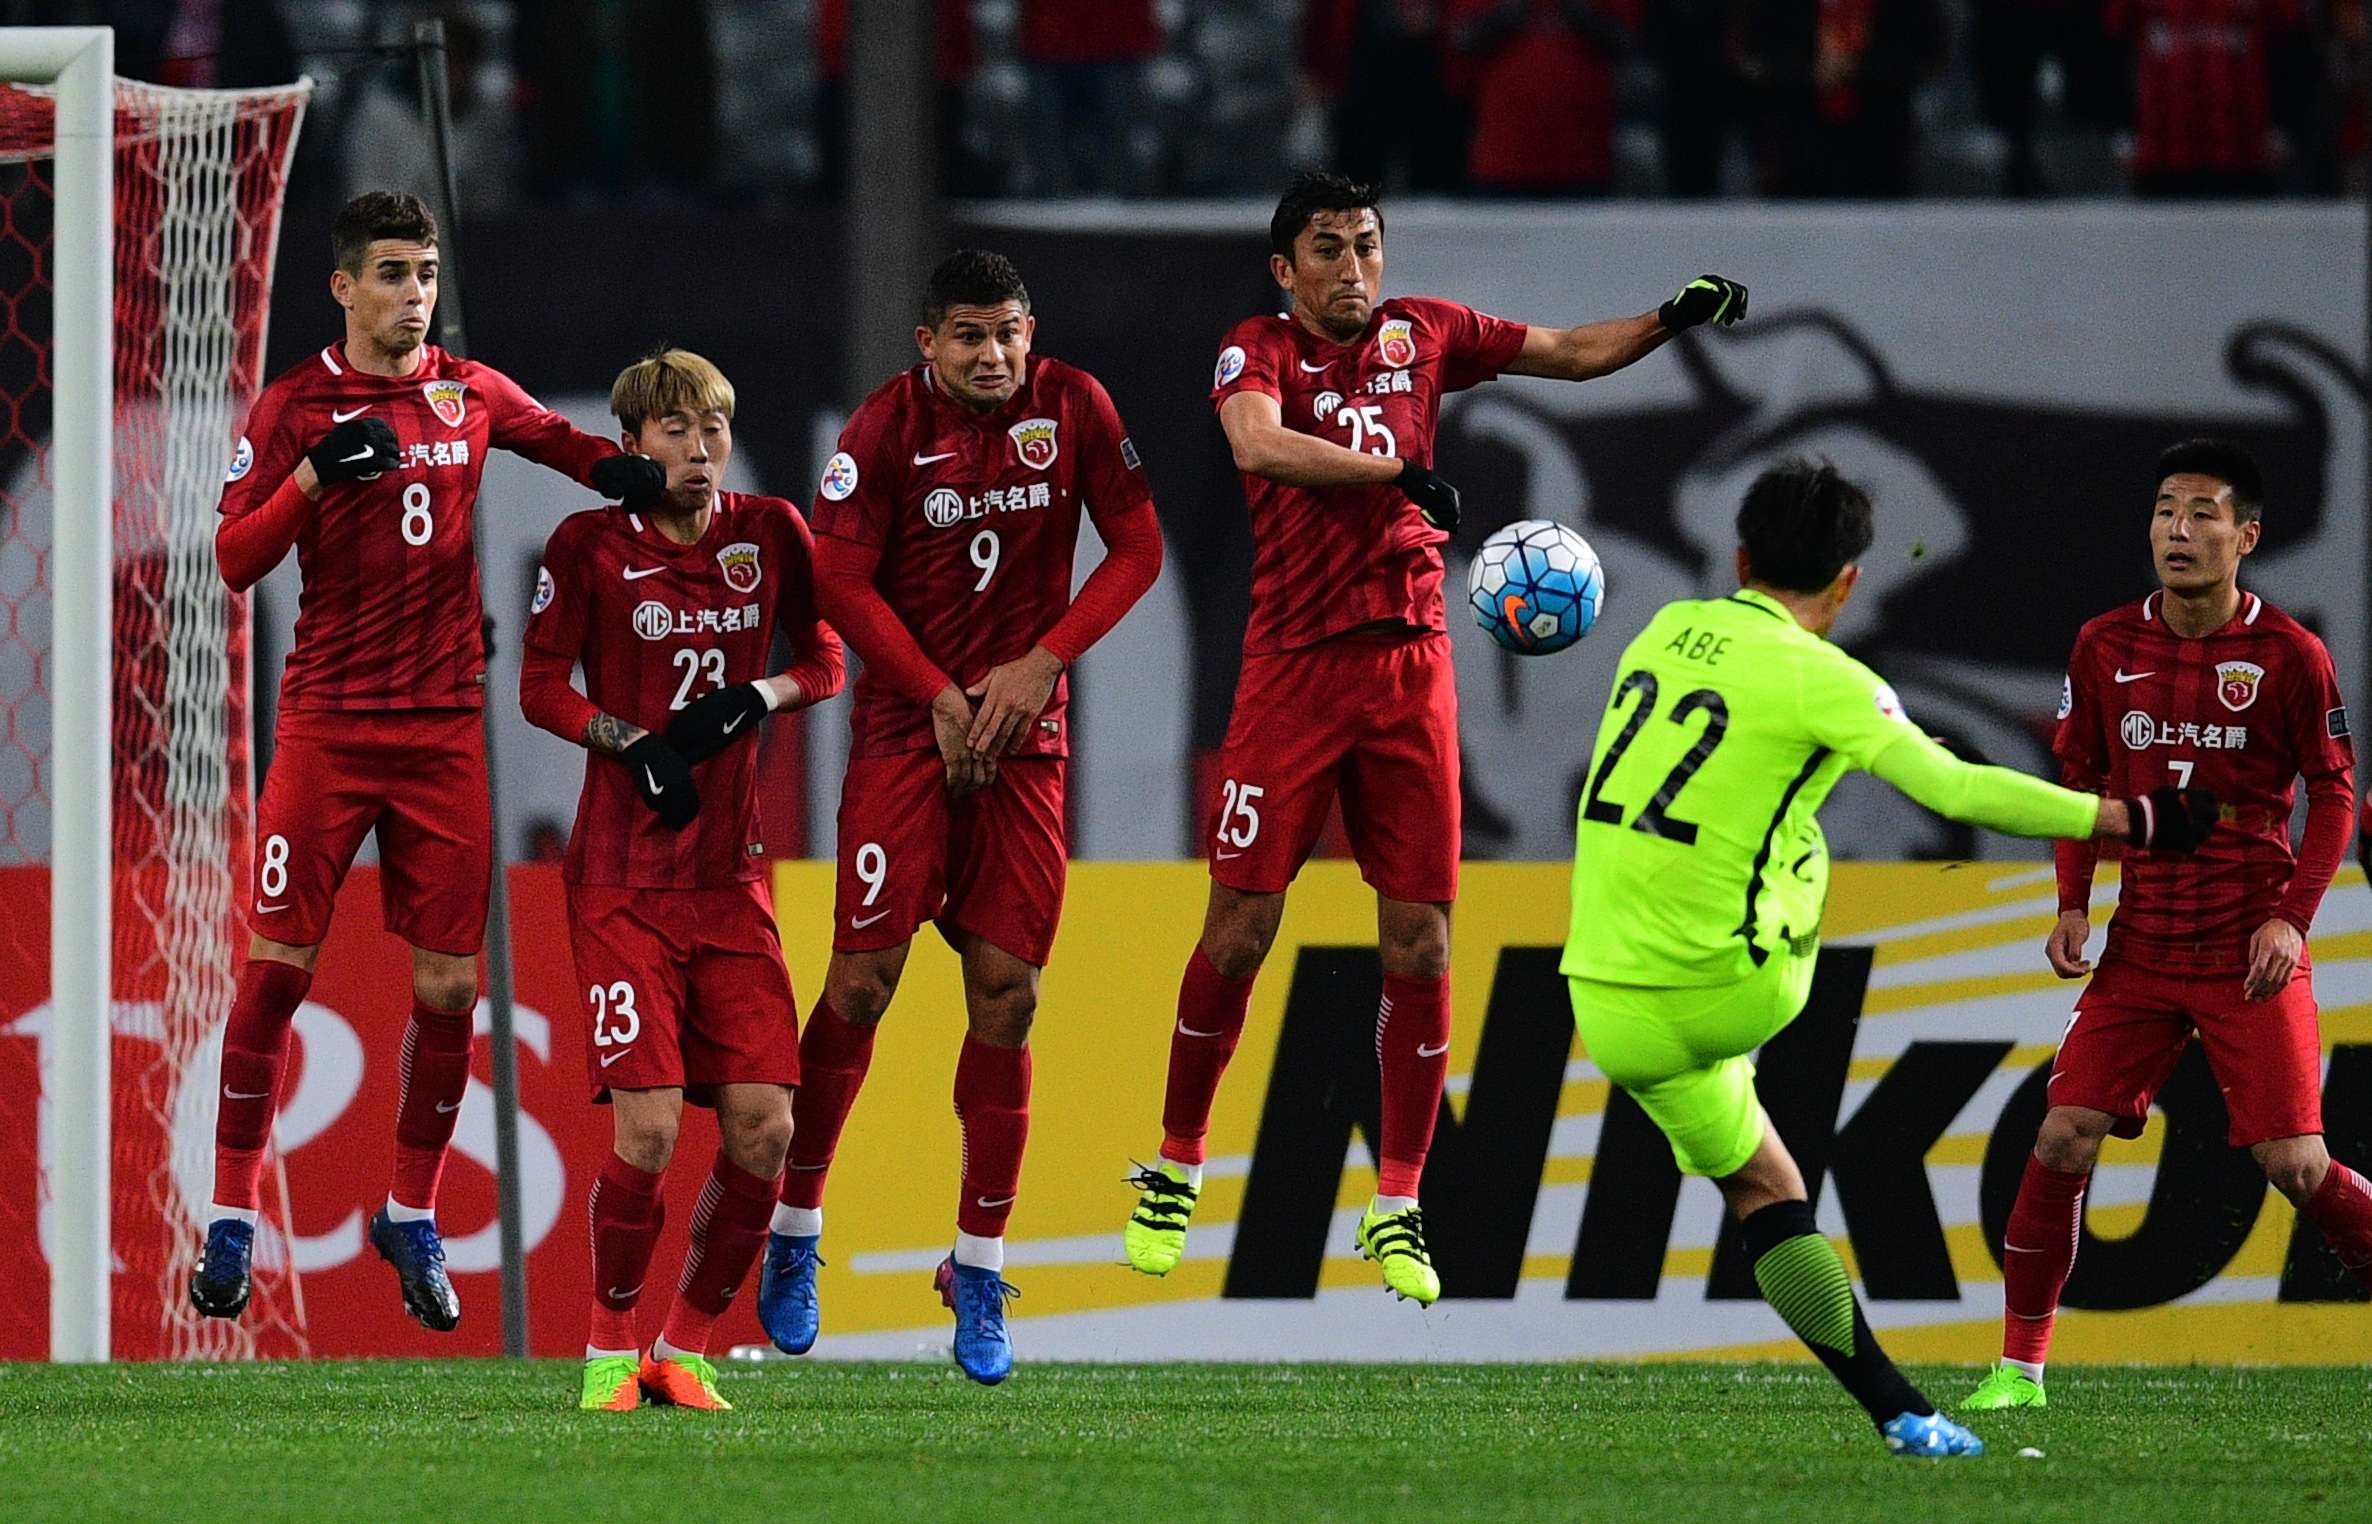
x,y
1700,871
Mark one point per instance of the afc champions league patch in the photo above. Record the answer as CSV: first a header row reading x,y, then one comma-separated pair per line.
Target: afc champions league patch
x,y
840,477
242,460
1231,365
2238,682
1033,440
1396,344
740,563
444,400
2335,722
1128,454
2066,696
543,592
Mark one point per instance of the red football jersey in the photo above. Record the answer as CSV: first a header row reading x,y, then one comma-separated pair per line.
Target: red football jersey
x,y
389,617
1327,558
656,625
2202,79
2243,711
976,517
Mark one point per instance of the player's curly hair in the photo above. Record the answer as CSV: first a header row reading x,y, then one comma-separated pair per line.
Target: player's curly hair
x,y
1802,523
374,215
972,278
2228,463
1311,193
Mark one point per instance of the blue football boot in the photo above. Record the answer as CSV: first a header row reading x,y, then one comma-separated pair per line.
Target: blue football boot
x,y
977,1297
218,1287
1929,1436
786,1291
418,1255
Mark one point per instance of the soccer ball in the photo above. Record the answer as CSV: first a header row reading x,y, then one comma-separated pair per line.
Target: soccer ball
x,y
1536,587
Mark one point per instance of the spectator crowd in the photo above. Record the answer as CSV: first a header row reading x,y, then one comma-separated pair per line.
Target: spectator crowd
x,y
578,101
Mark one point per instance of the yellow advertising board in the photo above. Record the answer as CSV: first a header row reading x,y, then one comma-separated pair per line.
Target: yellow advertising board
x,y
1912,1085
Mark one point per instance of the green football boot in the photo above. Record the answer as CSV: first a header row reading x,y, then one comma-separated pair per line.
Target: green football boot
x,y
613,1384
1155,1237
1396,1242
2005,1387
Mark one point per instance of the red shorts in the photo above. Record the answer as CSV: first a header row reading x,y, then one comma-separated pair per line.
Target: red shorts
x,y
1371,718
684,989
418,777
2132,1023
992,864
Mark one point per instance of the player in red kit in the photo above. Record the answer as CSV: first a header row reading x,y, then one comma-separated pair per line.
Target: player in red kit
x,y
945,529
1346,690
2199,684
366,457
672,611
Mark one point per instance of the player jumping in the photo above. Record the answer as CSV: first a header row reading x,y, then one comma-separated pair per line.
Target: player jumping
x,y
2199,682
672,611
945,529
1346,688
1700,873
366,458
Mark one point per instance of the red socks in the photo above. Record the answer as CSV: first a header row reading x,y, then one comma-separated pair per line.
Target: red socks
x,y
627,1212
728,1228
2038,1249
254,1055
992,1101
2342,1207
1210,1021
834,1054
1412,1045
435,1073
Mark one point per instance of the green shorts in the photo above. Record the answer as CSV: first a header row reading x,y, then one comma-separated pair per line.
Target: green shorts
x,y
1682,1054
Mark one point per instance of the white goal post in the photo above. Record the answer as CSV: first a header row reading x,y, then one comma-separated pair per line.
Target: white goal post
x,y
79,63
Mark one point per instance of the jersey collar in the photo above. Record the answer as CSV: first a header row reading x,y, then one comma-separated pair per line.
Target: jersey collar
x,y
1763,601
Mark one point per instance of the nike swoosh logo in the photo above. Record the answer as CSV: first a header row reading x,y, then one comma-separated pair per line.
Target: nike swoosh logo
x,y
263,909
1187,1031
637,573
337,417
656,787
1314,369
617,1295
229,1094
608,1059
859,923
932,460
734,723
1434,1052
447,1108
1224,855
987,1205
2124,676
362,454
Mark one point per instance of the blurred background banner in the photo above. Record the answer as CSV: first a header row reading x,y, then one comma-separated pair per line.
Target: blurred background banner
x,y
1999,375
1909,1090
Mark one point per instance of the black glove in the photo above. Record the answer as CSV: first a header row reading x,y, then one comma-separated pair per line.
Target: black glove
x,y
357,448
2171,819
1435,498
635,480
714,721
664,779
1707,299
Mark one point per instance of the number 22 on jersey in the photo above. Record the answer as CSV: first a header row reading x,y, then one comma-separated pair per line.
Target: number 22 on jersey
x,y
1656,818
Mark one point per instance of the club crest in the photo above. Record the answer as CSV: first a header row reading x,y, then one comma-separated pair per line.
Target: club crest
x,y
444,399
1397,344
1033,441
2237,683
740,562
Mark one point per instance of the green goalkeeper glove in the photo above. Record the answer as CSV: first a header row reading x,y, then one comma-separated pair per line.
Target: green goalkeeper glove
x,y
1711,299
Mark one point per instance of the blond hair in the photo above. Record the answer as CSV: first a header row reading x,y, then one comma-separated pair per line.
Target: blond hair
x,y
669,381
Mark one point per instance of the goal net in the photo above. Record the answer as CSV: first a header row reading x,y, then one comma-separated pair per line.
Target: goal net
x,y
199,180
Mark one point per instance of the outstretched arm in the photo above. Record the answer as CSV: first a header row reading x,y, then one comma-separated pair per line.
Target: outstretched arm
x,y
1997,798
1600,349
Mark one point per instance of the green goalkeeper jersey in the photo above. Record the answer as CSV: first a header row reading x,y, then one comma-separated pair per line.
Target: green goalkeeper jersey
x,y
1698,854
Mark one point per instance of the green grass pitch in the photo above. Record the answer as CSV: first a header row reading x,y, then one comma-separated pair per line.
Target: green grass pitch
x,y
1279,1444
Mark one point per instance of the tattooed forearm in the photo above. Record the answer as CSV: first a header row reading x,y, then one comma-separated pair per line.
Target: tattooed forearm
x,y
606,732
